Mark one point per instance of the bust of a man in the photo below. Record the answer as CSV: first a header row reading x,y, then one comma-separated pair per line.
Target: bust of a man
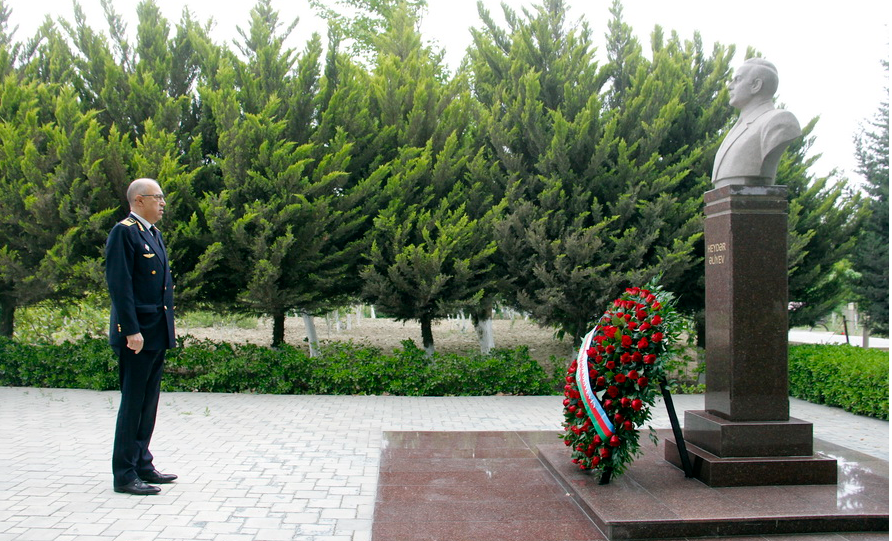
x,y
751,151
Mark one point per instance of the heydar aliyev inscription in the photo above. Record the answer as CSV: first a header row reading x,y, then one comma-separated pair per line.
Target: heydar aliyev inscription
x,y
745,435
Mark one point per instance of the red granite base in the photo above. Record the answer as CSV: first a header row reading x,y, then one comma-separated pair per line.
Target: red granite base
x,y
490,486
755,471
654,499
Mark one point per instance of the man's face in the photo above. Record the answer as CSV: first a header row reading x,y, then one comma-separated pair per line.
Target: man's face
x,y
743,87
150,203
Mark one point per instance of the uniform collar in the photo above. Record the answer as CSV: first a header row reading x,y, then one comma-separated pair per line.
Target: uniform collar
x,y
142,220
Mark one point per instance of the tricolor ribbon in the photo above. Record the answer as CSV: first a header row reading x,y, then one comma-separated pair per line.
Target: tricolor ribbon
x,y
592,405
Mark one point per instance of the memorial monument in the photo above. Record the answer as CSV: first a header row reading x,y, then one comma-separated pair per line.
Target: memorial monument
x,y
745,435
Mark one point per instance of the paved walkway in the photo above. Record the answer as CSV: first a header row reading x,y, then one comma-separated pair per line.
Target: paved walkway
x,y
256,467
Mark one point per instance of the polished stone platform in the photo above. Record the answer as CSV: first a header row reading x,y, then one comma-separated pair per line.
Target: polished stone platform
x,y
491,486
654,499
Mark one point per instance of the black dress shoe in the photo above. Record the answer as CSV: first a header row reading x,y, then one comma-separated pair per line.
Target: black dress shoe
x,y
138,487
156,476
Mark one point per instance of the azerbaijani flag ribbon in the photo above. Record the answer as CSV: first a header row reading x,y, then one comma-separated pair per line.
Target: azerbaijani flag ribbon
x,y
592,405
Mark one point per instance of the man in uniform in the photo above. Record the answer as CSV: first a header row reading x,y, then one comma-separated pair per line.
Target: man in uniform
x,y
141,330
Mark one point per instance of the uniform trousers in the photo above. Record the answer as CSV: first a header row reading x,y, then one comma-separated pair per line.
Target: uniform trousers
x,y
140,376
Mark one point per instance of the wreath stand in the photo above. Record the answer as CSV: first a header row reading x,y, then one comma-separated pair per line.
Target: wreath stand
x,y
676,431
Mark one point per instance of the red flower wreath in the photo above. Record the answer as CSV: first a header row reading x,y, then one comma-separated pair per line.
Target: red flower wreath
x,y
614,380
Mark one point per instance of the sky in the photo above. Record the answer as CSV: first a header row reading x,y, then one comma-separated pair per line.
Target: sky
x,y
828,57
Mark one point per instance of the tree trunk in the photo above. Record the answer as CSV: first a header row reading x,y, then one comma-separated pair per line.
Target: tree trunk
x,y
312,338
483,325
278,330
7,316
427,335
865,333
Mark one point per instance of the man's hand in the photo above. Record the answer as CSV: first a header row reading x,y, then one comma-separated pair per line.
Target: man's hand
x,y
135,342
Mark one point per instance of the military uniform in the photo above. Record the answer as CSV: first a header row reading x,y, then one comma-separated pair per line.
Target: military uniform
x,y
141,289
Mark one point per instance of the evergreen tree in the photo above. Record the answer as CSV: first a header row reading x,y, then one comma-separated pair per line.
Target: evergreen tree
x,y
824,217
282,229
431,248
871,258
603,179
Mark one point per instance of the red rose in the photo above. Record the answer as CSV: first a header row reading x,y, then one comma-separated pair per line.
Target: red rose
x,y
625,358
596,440
643,343
644,326
580,413
626,341
610,331
657,337
619,418
642,381
637,357
568,443
601,382
566,402
656,306
649,299
641,315
633,325
608,404
620,378
570,379
656,320
572,409
591,352
599,358
610,365
625,401
627,317
567,387
633,290
615,441
628,425
632,375
637,404
604,451
613,391
650,359
580,447
595,461
610,350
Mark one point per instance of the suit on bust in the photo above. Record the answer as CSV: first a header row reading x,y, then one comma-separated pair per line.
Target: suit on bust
x,y
751,151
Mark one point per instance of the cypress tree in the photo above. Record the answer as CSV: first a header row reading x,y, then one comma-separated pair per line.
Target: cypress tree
x,y
871,257
598,177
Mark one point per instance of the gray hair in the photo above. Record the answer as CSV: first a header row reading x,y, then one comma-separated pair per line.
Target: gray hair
x,y
138,186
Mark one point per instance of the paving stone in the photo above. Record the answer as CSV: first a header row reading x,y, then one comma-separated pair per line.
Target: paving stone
x,y
296,461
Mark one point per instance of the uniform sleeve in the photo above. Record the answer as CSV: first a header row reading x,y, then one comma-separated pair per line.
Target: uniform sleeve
x,y
119,254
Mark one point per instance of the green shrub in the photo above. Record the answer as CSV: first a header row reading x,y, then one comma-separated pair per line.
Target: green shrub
x,y
342,368
855,379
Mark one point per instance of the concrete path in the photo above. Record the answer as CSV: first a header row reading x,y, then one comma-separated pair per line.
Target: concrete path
x,y
257,467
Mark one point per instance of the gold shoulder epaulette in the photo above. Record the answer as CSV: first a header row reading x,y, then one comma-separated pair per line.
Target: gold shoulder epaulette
x,y
130,220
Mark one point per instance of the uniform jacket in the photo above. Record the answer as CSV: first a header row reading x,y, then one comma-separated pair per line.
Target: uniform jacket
x,y
140,285
753,147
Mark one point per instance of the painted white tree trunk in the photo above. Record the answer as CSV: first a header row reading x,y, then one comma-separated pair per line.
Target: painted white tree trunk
x,y
485,335
312,339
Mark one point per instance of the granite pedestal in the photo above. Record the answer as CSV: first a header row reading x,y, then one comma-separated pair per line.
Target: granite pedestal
x,y
745,436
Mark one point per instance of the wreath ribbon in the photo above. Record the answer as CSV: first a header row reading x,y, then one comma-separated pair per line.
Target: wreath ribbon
x,y
593,407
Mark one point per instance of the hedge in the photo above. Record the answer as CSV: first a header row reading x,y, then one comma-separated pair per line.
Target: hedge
x,y
342,368
853,378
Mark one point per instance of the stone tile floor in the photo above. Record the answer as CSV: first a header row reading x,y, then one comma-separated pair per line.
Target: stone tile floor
x,y
258,467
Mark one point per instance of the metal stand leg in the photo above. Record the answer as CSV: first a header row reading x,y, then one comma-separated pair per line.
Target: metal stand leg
x,y
676,430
